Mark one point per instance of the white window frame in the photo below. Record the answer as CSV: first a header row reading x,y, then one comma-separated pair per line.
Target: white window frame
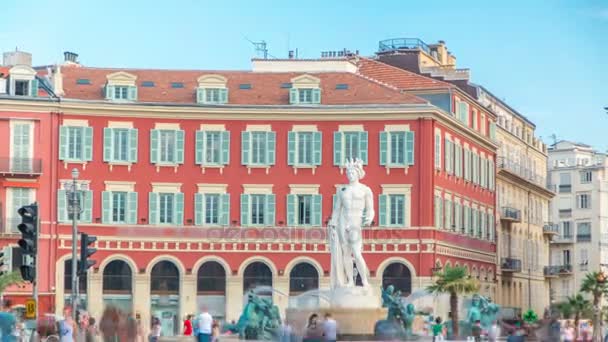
x,y
406,191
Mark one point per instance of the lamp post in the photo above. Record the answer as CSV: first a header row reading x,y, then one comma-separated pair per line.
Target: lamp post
x,y
74,209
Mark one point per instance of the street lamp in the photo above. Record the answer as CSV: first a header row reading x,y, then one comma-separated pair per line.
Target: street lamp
x,y
74,209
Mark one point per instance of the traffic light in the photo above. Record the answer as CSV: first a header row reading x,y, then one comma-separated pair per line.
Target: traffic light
x,y
85,253
6,261
29,233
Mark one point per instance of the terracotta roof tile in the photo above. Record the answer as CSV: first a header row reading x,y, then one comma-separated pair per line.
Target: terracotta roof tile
x,y
396,77
265,87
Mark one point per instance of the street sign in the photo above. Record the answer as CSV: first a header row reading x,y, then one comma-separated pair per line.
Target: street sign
x,y
30,308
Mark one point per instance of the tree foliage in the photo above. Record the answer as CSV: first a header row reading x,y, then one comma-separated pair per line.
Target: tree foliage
x,y
9,279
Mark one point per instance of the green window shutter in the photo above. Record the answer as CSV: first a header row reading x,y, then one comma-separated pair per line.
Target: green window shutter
x,y
409,148
133,133
317,210
132,208
198,209
106,207
271,138
178,218
245,210
291,148
446,154
293,96
63,142
62,206
87,146
179,147
225,141
317,143
133,93
154,140
224,209
270,210
383,210
316,95
245,148
338,148
34,87
292,210
200,95
109,92
200,139
363,147
108,144
153,208
384,150
87,213
224,95
334,198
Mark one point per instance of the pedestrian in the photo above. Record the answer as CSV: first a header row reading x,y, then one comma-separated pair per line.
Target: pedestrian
x,y
156,329
476,331
330,328
568,332
67,326
314,332
188,326
205,325
92,331
215,331
494,332
437,330
285,332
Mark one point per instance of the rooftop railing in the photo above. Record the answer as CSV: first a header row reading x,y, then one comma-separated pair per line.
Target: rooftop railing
x,y
403,43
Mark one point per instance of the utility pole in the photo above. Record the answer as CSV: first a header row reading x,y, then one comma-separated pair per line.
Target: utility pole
x,y
74,208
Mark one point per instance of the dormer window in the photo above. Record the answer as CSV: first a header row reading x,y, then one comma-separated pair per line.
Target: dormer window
x,y
212,89
121,86
305,90
22,88
22,81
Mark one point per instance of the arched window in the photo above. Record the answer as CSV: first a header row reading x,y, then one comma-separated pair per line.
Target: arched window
x,y
211,279
165,278
303,277
67,278
398,275
117,278
256,274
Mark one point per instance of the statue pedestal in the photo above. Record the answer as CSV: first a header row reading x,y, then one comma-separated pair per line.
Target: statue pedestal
x,y
353,323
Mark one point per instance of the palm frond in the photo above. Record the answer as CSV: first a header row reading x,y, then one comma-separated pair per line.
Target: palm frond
x,y
9,279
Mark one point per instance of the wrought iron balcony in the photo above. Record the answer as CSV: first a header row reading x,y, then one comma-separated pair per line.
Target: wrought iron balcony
x,y
565,188
557,270
510,265
517,169
510,214
563,239
583,237
20,166
551,229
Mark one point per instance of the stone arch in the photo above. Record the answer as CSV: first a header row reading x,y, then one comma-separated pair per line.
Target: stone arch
x,y
122,257
295,261
261,259
384,264
166,257
307,277
215,258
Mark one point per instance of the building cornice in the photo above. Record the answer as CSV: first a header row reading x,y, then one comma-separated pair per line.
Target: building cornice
x,y
508,176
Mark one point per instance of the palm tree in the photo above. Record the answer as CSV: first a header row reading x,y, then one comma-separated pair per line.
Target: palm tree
x,y
580,306
9,279
564,309
595,284
454,281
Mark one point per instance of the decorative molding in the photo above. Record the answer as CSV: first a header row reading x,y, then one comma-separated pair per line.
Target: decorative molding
x,y
212,127
166,187
206,188
396,189
212,81
304,128
120,124
304,189
75,123
396,128
167,126
305,81
120,186
351,128
258,128
259,189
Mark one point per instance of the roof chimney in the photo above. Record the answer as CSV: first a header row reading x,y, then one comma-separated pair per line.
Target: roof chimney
x,y
70,57
17,58
291,54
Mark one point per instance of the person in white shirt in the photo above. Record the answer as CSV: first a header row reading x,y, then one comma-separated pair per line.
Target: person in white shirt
x,y
330,328
205,323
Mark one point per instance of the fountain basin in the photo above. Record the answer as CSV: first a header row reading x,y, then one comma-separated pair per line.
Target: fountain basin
x,y
353,323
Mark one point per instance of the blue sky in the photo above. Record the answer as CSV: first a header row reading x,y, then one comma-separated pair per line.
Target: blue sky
x,y
548,59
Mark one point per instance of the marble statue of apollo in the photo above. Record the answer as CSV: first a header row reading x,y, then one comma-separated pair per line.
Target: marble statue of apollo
x,y
344,228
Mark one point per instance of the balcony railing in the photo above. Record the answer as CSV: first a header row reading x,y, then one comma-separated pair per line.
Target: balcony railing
x,y
510,214
551,229
565,188
20,166
526,173
564,239
583,237
565,213
403,43
557,270
510,265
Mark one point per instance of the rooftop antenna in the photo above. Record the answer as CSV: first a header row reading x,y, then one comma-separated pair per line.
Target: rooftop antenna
x,y
261,50
554,137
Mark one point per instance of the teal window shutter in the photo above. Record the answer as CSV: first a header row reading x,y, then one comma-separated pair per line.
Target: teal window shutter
x,y
270,210
224,209
87,212
316,95
245,210
63,142
199,153
109,92
338,136
271,138
334,198
198,209
132,208
106,207
225,141
108,144
154,140
153,208
62,206
363,147
383,210
384,151
291,148
88,143
224,95
292,210
133,93
317,145
133,145
179,147
200,95
317,209
293,96
409,148
34,87
245,148
178,218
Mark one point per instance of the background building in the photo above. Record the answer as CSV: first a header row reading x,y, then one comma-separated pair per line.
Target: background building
x,y
578,175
